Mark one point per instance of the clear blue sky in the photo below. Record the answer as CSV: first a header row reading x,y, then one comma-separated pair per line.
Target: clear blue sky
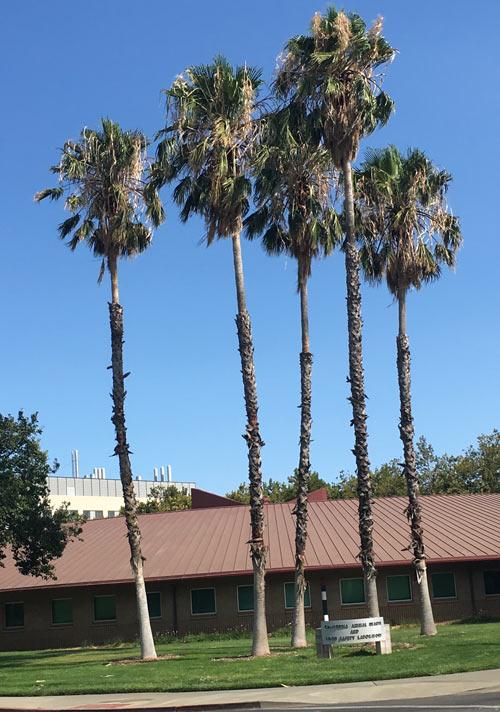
x,y
65,65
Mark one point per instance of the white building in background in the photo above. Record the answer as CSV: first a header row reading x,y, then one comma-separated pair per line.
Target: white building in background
x,y
96,497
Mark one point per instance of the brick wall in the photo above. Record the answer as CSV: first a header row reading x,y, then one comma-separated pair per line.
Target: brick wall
x,y
176,614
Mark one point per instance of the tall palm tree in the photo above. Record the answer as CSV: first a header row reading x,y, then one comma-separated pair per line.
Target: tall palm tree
x,y
333,72
206,148
101,177
407,235
292,184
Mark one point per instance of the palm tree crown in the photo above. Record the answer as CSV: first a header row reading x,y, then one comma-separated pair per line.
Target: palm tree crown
x,y
293,180
408,232
333,71
102,178
207,144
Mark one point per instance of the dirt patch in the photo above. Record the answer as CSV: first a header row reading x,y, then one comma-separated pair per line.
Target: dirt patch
x,y
139,661
273,654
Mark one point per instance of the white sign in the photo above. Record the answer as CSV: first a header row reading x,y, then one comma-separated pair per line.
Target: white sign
x,y
353,632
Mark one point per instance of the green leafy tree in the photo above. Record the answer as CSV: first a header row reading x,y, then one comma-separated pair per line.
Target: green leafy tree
x,y
165,499
475,471
35,535
292,185
333,72
206,148
241,494
102,177
277,492
407,235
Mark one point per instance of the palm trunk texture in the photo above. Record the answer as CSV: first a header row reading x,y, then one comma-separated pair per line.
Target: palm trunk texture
x,y
299,639
413,511
148,650
358,398
260,643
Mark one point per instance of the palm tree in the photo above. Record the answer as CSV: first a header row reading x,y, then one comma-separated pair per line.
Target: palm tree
x,y
206,148
292,185
102,178
407,235
332,71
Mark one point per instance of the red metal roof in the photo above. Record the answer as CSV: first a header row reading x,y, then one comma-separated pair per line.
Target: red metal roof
x,y
201,499
212,542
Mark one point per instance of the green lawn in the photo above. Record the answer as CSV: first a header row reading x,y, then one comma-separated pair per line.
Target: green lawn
x,y
215,665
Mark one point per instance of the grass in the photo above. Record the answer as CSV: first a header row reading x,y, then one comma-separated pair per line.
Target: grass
x,y
213,664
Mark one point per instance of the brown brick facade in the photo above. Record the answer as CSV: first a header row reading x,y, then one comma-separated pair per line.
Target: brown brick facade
x,y
176,614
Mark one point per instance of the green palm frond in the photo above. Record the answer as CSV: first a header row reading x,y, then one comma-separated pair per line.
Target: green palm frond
x,y
52,193
207,144
293,179
102,177
68,226
335,72
406,230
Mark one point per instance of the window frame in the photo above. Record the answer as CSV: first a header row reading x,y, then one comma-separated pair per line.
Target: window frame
x,y
155,618
490,571
203,588
244,585
104,620
352,578
398,600
290,608
444,598
52,622
13,627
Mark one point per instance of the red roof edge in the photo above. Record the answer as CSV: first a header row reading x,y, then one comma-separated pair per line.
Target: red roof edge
x,y
200,499
319,495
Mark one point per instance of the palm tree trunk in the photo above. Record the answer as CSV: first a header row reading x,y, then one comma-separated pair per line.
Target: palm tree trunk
x,y
358,397
299,639
148,650
260,643
413,511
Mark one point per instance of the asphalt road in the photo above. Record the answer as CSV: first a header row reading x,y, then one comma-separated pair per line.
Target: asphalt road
x,y
460,703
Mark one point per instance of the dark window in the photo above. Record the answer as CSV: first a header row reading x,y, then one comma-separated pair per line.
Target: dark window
x,y
104,608
398,588
154,604
98,514
492,583
202,600
111,513
87,513
352,590
443,585
290,596
245,598
14,615
62,611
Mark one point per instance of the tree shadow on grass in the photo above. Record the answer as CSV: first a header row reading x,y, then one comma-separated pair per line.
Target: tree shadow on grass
x,y
41,658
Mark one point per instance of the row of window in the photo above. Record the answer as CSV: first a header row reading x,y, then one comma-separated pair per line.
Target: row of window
x,y
95,513
203,600
352,592
103,610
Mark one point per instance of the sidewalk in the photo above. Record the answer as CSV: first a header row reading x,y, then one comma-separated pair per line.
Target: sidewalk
x,y
344,693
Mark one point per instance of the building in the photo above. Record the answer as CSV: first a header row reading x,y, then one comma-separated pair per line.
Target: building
x,y
199,573
97,497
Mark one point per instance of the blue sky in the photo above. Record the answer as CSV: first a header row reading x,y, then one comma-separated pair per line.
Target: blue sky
x,y
67,64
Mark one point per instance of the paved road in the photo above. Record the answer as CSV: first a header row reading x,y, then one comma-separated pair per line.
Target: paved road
x,y
487,701
454,703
